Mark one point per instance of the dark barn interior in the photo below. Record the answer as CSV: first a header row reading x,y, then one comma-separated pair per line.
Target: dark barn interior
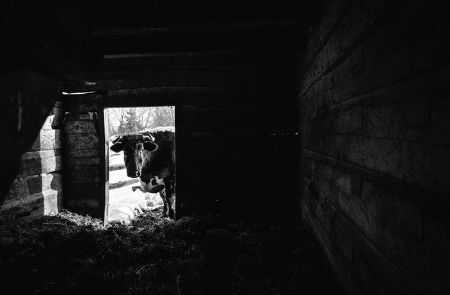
x,y
312,149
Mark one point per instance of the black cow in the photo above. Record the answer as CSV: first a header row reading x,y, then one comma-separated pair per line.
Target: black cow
x,y
151,157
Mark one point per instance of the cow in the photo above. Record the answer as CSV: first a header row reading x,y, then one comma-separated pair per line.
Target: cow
x,y
150,155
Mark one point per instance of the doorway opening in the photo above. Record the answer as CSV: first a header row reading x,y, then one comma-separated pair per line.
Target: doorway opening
x,y
140,162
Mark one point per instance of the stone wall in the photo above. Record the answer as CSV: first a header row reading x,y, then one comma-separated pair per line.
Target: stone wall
x,y
37,189
27,96
374,105
84,189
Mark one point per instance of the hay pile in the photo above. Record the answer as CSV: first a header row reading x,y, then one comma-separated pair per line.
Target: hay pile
x,y
73,254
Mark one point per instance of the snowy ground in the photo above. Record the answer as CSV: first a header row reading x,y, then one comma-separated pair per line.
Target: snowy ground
x,y
124,204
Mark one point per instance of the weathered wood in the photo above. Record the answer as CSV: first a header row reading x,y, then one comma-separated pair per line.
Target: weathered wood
x,y
373,65
116,167
247,98
408,161
193,78
354,255
46,36
218,26
389,220
375,144
122,183
226,59
266,34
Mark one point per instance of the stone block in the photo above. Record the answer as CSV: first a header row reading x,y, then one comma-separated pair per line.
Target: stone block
x,y
77,174
45,182
82,141
81,153
46,164
80,127
48,139
18,190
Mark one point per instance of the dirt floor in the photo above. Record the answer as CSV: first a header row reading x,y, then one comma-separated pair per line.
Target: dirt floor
x,y
72,254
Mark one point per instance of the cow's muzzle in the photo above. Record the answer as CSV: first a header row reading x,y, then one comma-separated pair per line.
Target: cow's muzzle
x,y
133,174
156,189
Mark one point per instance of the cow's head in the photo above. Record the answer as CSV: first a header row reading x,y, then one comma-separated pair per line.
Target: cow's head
x,y
136,150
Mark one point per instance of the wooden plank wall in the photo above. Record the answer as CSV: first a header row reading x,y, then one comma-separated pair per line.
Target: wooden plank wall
x,y
236,139
374,106
236,127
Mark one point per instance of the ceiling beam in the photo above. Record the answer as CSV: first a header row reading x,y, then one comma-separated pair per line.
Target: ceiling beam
x,y
208,27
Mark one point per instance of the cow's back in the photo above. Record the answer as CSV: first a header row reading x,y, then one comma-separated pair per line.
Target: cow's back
x,y
164,156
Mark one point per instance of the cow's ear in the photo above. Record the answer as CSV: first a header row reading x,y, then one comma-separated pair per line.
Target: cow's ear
x,y
150,146
117,147
116,138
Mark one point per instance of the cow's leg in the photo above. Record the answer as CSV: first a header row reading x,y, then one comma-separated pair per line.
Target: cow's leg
x,y
169,184
134,188
169,201
163,197
142,187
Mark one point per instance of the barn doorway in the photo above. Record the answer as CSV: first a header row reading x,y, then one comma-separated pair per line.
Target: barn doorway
x,y
140,162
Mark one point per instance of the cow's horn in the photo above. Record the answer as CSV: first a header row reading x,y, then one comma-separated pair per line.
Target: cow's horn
x,y
148,137
117,139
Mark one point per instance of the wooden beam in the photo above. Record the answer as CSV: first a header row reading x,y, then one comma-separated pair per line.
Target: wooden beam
x,y
221,36
257,59
123,183
43,36
208,27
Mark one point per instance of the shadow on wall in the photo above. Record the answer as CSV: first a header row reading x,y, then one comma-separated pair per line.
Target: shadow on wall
x,y
37,188
27,97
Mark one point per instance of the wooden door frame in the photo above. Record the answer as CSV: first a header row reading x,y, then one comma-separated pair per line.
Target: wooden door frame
x,y
104,162
104,148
